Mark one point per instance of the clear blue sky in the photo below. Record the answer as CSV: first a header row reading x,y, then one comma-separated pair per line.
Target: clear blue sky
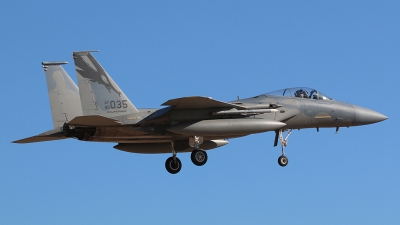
x,y
159,50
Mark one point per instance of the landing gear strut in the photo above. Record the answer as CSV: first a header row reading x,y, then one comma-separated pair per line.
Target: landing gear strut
x,y
173,164
282,160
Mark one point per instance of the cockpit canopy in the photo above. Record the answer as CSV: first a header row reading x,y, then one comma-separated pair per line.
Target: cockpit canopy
x,y
300,92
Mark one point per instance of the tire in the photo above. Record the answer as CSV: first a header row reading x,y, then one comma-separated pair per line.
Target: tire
x,y
199,157
283,160
172,166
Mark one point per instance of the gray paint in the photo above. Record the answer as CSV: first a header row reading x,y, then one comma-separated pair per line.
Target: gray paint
x,y
99,94
63,94
102,113
165,147
219,127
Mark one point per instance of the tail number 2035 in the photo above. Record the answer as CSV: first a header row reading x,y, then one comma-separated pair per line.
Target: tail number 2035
x,y
116,104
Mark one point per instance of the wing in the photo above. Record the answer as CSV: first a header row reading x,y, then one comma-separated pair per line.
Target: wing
x,y
194,102
198,102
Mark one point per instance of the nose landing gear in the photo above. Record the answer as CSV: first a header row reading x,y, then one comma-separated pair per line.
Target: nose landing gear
x,y
282,160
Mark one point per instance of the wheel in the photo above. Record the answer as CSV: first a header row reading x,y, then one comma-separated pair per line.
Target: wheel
x,y
173,166
283,160
199,157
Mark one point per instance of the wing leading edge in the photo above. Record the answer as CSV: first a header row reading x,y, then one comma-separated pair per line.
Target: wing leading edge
x,y
198,102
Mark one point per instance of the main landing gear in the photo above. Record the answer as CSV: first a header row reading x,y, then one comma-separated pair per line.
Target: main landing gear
x,y
282,160
173,164
199,156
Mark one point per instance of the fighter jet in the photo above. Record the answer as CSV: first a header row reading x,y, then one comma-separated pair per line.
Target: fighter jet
x,y
98,110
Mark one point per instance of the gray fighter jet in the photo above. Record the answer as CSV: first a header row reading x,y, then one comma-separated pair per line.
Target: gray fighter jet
x,y
100,111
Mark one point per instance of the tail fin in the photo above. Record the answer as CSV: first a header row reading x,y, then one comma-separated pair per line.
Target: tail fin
x,y
63,93
100,95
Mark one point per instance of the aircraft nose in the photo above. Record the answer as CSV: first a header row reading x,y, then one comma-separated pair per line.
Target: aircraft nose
x,y
365,116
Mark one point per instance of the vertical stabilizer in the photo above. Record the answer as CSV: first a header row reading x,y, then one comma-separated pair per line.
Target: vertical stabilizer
x,y
63,93
100,95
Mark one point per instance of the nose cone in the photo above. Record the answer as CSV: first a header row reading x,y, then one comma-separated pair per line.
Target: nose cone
x,y
365,116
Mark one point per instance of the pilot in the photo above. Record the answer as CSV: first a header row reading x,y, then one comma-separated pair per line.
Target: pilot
x,y
301,93
305,94
298,93
314,94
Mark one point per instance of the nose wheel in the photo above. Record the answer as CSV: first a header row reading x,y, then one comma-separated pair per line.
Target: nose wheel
x,y
283,160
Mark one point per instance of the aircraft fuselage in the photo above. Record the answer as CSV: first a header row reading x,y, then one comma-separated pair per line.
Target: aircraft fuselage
x,y
98,110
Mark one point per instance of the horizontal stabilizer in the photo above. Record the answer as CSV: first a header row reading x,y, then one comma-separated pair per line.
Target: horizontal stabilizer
x,y
51,135
96,121
198,102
